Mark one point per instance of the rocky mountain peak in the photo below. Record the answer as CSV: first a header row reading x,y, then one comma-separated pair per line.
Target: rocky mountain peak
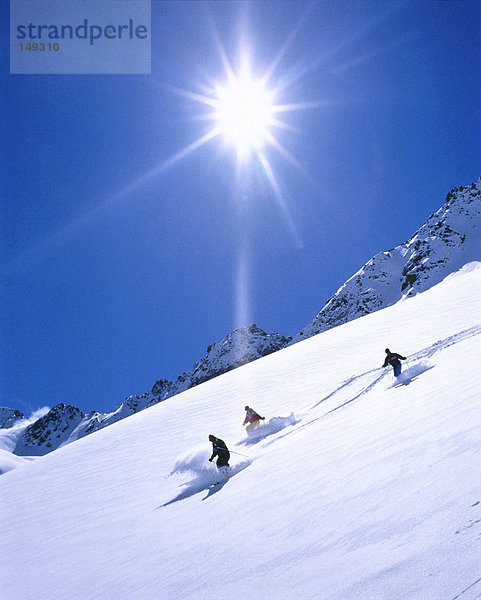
x,y
238,348
50,431
10,417
450,238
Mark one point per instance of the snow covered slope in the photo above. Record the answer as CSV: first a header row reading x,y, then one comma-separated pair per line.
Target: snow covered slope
x,y
370,490
449,239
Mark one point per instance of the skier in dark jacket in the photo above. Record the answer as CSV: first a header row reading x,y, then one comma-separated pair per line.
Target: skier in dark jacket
x,y
220,450
394,359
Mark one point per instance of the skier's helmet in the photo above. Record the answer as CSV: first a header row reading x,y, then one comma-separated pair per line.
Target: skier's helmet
x,y
387,351
211,438
246,408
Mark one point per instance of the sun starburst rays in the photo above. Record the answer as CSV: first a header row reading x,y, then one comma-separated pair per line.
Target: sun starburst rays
x,y
245,110
248,114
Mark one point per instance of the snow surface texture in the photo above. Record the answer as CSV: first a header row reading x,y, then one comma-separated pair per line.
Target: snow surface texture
x,y
449,239
373,491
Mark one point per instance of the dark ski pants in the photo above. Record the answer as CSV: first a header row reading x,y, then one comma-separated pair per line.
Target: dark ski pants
x,y
397,370
223,460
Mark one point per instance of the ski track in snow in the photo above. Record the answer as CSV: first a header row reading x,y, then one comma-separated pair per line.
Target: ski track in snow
x,y
461,594
412,370
410,373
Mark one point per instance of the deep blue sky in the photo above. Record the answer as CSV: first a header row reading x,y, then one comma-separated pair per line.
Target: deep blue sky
x,y
112,279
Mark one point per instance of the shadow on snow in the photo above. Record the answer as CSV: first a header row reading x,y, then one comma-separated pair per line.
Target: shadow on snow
x,y
207,479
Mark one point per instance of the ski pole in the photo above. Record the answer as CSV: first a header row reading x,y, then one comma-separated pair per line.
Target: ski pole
x,y
233,452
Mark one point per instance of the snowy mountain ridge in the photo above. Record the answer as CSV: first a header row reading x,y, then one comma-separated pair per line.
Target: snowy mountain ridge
x,y
66,423
448,239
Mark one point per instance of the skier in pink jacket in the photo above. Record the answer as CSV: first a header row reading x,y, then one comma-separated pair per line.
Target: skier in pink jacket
x,y
252,418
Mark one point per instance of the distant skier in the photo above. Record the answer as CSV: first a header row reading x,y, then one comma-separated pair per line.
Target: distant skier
x,y
220,450
252,418
394,360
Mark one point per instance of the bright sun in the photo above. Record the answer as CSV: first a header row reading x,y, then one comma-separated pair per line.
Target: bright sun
x,y
244,112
